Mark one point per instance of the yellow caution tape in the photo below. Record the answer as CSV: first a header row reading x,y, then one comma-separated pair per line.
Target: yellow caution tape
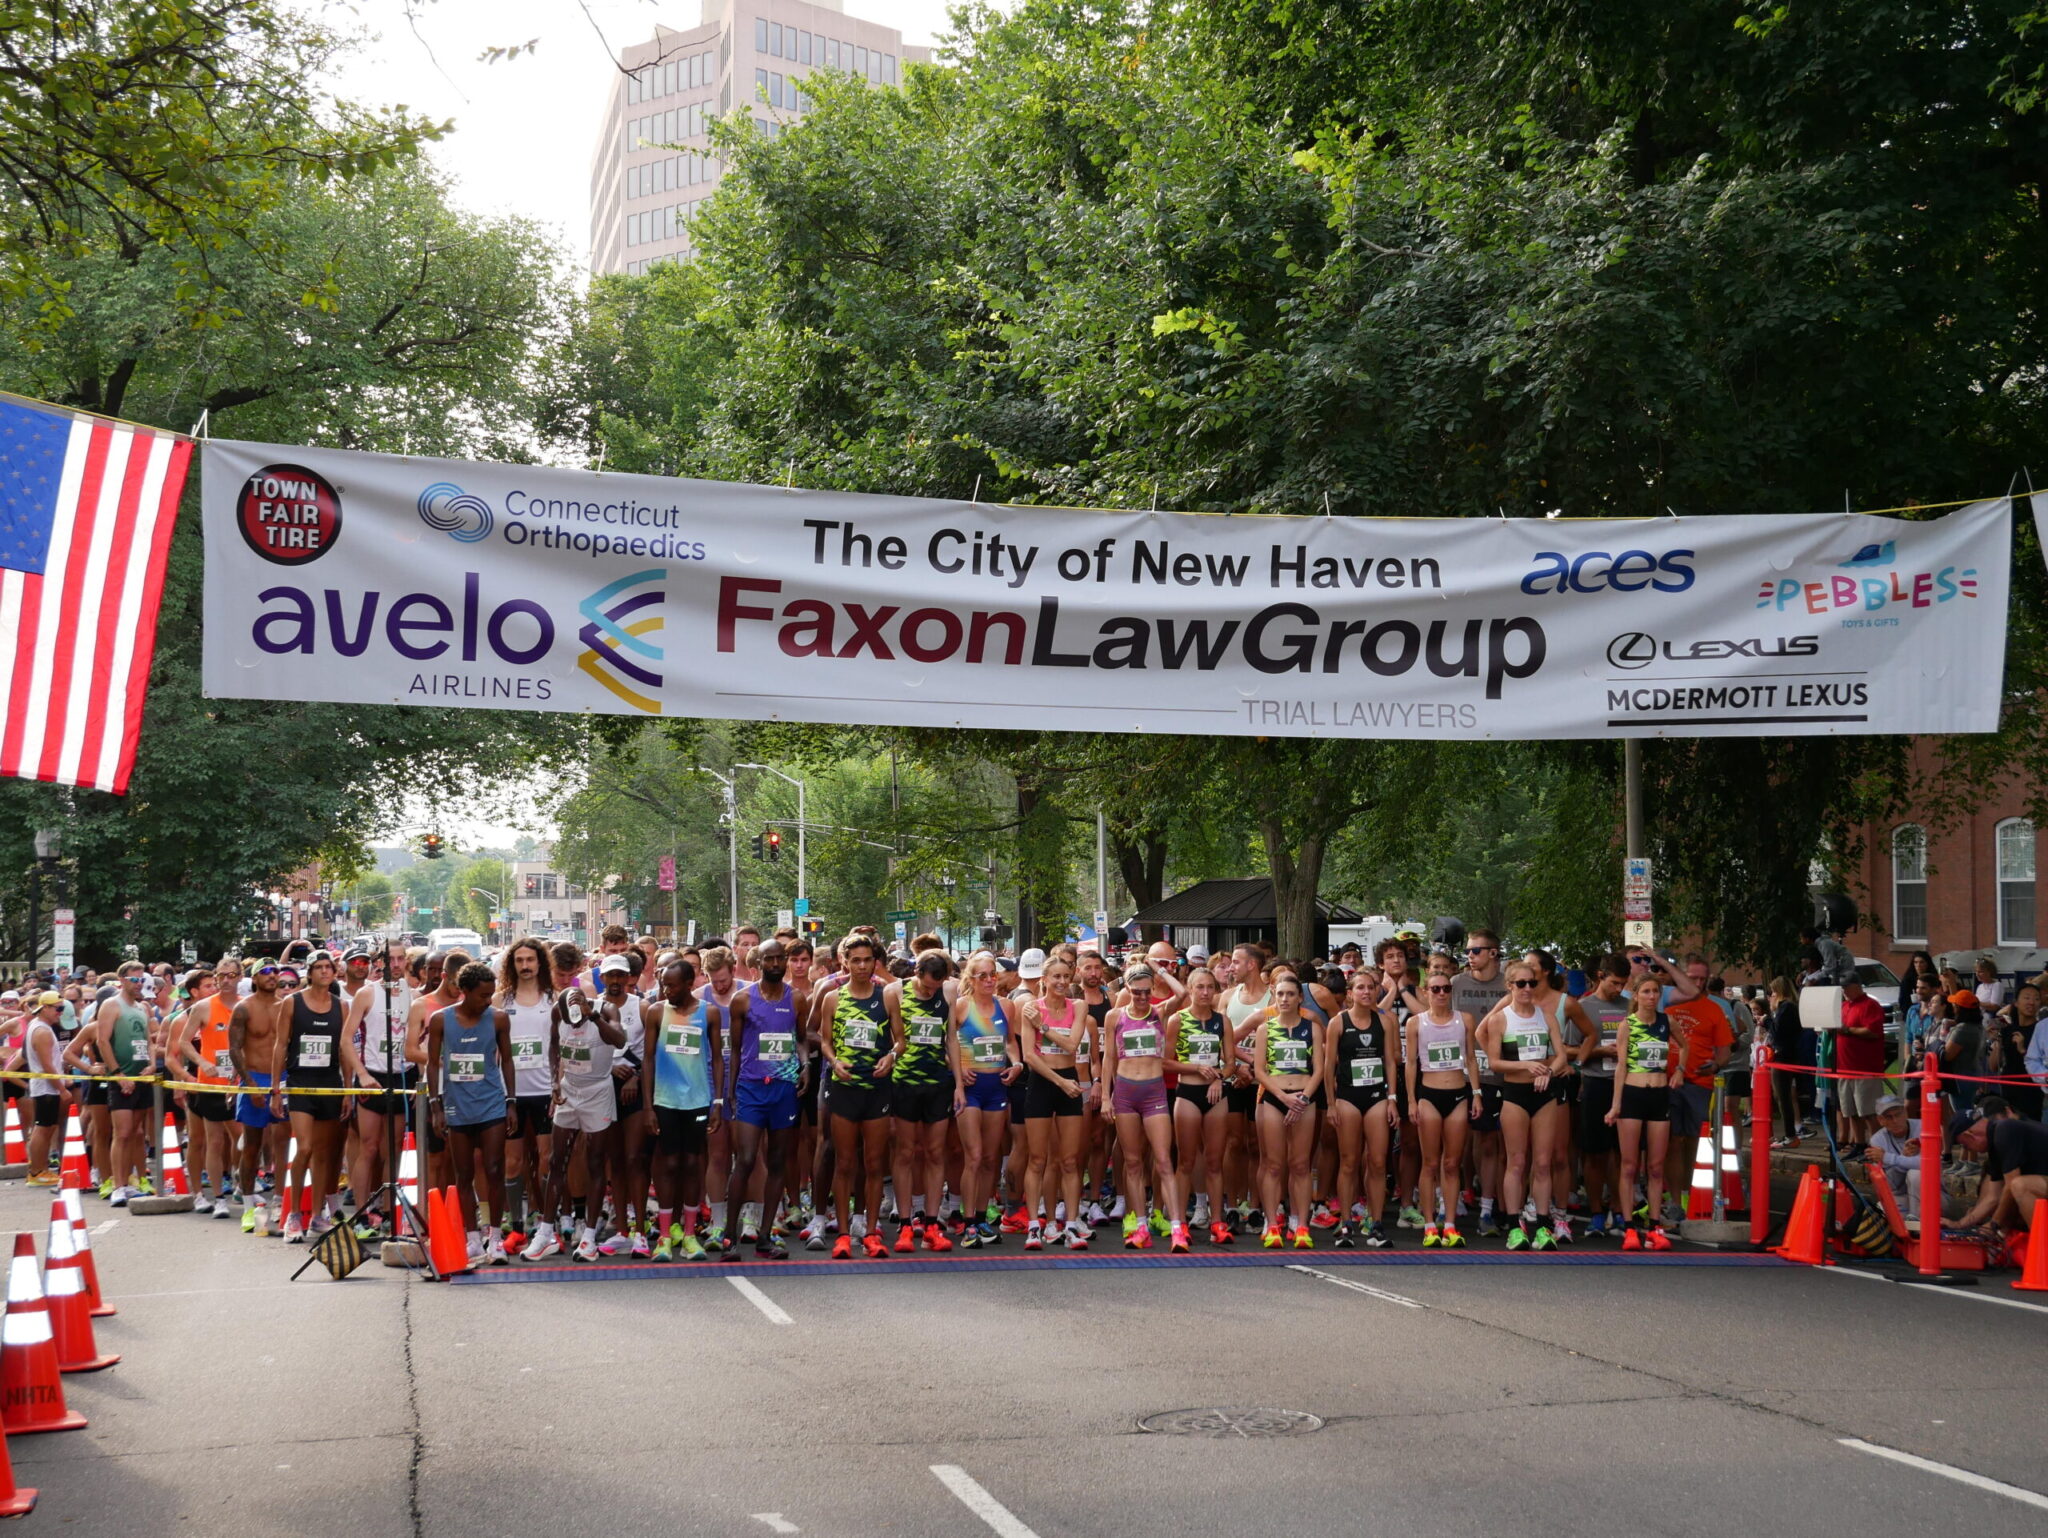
x,y
200,1086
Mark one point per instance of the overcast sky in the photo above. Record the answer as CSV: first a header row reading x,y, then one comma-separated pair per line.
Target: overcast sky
x,y
525,129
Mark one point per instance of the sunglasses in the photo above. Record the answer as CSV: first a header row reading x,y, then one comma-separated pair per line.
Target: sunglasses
x,y
1523,983
1439,990
1482,950
264,972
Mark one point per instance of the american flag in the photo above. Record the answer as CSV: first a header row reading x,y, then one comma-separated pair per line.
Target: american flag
x,y
87,505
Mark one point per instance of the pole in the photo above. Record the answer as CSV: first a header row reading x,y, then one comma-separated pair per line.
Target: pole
x,y
1101,865
802,822
895,828
1717,1108
1930,1168
1760,1103
1632,795
732,848
675,897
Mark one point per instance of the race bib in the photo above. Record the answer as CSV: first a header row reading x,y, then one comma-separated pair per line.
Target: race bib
x,y
683,1040
466,1067
1532,1046
859,1035
1443,1056
1290,1056
1652,1056
576,1057
1140,1043
529,1054
1205,1048
987,1052
927,1030
1367,1073
777,1047
316,1051
224,1062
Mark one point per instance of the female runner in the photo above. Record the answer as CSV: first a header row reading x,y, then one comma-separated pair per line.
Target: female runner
x,y
1440,1070
1197,1041
1641,1112
1363,1111
1524,1045
1244,1004
985,1064
1289,1059
1054,1033
1136,1071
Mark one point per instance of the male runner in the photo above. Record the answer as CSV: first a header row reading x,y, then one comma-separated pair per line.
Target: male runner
x,y
767,1029
620,974
526,993
583,1110
438,973
860,1056
314,1052
40,1054
253,1030
682,1086
199,1060
377,1016
1475,991
122,1031
469,1080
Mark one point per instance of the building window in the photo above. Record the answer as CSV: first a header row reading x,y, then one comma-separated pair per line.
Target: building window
x,y
2015,850
888,69
831,53
760,34
761,83
775,49
1909,884
803,47
860,62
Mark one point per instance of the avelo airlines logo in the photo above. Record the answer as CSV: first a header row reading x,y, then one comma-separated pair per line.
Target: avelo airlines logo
x,y
456,513
618,655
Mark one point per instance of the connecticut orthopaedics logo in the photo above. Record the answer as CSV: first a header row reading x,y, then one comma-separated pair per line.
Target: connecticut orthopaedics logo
x,y
619,654
457,513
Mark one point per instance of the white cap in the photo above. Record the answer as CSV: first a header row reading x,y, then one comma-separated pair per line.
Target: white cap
x,y
1198,953
612,964
10,997
1031,963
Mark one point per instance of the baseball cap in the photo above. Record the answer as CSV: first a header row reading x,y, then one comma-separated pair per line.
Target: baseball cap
x,y
1198,953
1007,963
1963,1121
10,997
1889,1103
612,964
1962,998
49,1001
1031,963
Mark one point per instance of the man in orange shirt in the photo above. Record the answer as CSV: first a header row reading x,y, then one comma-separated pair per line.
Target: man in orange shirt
x,y
1708,1041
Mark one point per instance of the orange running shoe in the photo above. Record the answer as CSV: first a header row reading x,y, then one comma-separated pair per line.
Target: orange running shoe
x,y
906,1239
842,1248
1303,1239
1179,1244
1659,1240
1016,1222
1631,1240
877,1250
935,1238
1219,1233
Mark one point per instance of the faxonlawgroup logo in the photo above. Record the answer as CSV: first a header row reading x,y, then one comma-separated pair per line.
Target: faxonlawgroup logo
x,y
457,513
615,639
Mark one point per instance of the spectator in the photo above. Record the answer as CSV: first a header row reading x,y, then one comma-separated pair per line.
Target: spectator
x,y
2015,1162
1920,1018
1859,1049
1962,1048
1787,1046
1837,966
2014,1033
1708,1043
1895,1153
1919,968
1990,989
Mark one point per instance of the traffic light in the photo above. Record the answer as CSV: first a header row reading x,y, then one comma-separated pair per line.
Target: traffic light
x,y
813,926
774,843
433,846
533,886
757,846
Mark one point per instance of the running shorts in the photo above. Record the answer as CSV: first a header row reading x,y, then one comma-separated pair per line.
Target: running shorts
x,y
857,1102
1044,1098
532,1113
924,1104
680,1132
1240,1099
49,1110
770,1103
389,1104
319,1107
1595,1136
1362,1099
1520,1092
125,1096
1448,1102
254,1110
1138,1097
987,1092
1645,1102
1196,1095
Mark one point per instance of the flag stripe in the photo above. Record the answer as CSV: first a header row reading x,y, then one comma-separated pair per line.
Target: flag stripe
x,y
11,585
92,692
153,544
34,672
105,467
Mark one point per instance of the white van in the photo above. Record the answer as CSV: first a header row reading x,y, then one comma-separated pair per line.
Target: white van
x,y
468,941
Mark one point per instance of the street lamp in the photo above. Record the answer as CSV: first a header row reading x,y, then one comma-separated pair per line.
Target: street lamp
x,y
49,846
495,901
732,844
801,821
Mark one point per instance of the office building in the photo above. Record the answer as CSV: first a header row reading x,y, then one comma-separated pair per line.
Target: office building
x,y
654,167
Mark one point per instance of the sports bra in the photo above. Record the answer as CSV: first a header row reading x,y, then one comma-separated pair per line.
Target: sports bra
x,y
1523,1038
1137,1036
1290,1050
1064,1036
986,1044
1439,1048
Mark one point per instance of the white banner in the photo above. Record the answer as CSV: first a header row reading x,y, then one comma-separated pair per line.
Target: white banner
x,y
341,576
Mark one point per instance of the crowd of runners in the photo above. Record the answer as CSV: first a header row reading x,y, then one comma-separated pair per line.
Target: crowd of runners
x,y
699,1103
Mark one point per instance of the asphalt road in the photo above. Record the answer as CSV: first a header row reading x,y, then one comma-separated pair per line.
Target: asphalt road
x,y
1531,1398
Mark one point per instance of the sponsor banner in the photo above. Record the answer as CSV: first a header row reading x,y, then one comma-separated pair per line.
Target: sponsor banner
x,y
334,575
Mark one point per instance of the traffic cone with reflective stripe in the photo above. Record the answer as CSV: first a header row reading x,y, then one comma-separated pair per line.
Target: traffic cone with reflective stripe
x,y
2034,1275
15,1149
70,1309
408,1187
175,1183
31,1391
1700,1202
81,1240
77,1162
1806,1231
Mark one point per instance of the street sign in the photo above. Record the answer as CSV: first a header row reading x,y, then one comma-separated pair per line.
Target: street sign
x,y
1638,932
900,917
188,952
803,908
666,880
902,930
1101,920
785,918
63,933
1635,893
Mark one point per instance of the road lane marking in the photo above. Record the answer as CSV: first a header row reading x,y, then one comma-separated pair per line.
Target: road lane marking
x,y
1929,1287
110,1223
763,1302
1947,1471
1344,1281
777,1523
980,1502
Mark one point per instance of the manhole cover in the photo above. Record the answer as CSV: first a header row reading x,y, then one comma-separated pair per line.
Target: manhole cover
x,y
1232,1422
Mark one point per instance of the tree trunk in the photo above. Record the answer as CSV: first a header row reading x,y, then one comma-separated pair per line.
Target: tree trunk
x,y
1141,861
1029,928
1296,870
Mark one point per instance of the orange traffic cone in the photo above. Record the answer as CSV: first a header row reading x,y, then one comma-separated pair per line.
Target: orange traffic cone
x,y
81,1242
31,1392
1733,1196
2034,1276
408,1186
15,1500
175,1183
70,1309
15,1149
1805,1202
450,1251
1700,1202
77,1163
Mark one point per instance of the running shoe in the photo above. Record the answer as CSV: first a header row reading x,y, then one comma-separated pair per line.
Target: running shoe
x,y
295,1233
1255,1220
640,1247
1545,1239
515,1242
768,1247
1430,1238
842,1248
1560,1228
872,1243
993,1213
689,1247
906,1239
1453,1240
1119,1207
1160,1225
1322,1217
1631,1240
1141,1240
988,1233
1219,1233
1596,1226
1517,1236
106,1188
1488,1228
935,1238
1178,1237
814,1236
1200,1216
1271,1239
1376,1237
48,1178
970,1238
120,1197
750,1233
223,1209
1016,1222
1131,1225
200,1204
494,1250
617,1244
1659,1240
320,1226
586,1249
1303,1239
1096,1216
664,1252
1077,1237
1034,1237
1411,1217
144,1189
545,1245
1344,1238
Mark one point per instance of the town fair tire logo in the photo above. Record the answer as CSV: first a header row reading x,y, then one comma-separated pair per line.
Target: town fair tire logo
x,y
288,515
1631,651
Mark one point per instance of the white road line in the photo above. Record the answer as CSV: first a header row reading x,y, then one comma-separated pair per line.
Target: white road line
x,y
777,1523
763,1302
1345,1281
1975,1294
980,1502
1960,1476
110,1223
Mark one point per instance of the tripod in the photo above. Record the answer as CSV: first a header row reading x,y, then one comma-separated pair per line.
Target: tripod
x,y
391,1199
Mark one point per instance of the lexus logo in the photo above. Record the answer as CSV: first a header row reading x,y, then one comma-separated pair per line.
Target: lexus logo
x,y
1634,650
